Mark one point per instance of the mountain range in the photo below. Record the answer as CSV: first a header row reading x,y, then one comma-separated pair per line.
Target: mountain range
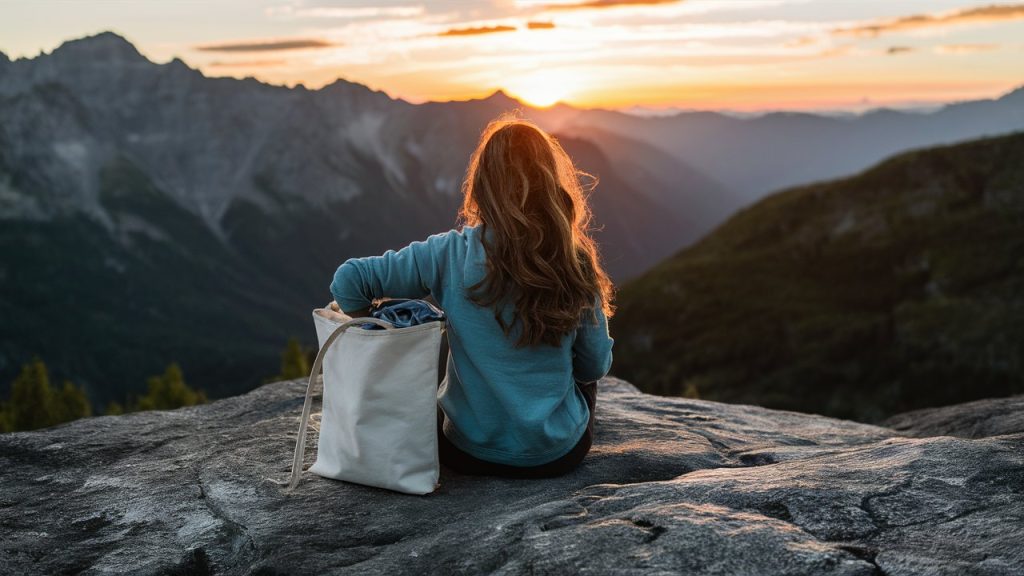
x,y
152,214
755,156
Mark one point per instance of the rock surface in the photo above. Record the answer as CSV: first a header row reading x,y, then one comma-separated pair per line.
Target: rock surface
x,y
670,486
978,419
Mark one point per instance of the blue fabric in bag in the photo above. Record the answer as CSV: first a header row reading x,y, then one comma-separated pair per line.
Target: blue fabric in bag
x,y
402,313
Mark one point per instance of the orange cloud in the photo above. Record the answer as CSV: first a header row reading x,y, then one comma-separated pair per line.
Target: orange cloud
x,y
993,13
607,4
801,41
477,30
350,12
540,25
266,46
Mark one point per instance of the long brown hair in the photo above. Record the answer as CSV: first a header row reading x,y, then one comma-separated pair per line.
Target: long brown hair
x,y
523,188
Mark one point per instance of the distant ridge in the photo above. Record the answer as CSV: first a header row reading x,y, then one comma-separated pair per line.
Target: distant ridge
x,y
757,155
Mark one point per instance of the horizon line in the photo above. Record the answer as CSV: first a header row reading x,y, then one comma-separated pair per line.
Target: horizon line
x,y
640,110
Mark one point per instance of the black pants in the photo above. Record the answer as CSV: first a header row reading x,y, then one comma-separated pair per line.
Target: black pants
x,y
463,463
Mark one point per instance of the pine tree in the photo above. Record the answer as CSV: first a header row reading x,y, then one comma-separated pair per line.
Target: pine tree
x,y
32,398
294,361
114,409
169,391
691,388
5,418
70,403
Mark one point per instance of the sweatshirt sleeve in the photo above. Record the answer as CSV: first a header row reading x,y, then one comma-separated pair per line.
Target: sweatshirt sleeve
x,y
412,272
592,348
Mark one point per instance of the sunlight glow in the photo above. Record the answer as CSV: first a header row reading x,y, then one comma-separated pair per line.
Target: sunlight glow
x,y
541,89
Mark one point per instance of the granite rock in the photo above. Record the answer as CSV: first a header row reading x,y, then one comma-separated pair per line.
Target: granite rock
x,y
979,419
671,486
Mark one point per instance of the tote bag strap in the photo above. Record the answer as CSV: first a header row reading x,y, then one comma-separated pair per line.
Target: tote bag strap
x,y
300,443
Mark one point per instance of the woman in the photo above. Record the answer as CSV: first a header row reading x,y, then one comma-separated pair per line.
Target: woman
x,y
527,302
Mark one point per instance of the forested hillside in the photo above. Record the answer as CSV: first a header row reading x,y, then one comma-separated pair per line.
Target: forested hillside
x,y
899,288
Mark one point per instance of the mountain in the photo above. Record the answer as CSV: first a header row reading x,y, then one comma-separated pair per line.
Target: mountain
x,y
696,201
619,204
899,288
755,156
149,214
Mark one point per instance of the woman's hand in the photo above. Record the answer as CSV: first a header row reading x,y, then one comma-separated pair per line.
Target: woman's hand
x,y
353,314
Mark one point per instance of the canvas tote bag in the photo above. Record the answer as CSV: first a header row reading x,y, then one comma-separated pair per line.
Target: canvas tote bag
x,y
379,422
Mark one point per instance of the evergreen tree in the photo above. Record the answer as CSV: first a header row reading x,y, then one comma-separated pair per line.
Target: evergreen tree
x,y
294,361
169,391
691,390
5,418
115,409
70,403
31,398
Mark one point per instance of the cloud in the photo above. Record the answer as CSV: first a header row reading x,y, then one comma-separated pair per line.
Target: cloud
x,y
965,48
540,25
352,12
589,4
801,41
246,63
266,45
893,50
993,13
477,30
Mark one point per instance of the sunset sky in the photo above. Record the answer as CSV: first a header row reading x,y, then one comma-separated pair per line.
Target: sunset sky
x,y
704,54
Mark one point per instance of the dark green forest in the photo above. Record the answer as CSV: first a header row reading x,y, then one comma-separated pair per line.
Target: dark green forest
x,y
35,403
896,289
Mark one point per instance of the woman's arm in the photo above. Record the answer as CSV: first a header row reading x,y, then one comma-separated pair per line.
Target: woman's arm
x,y
412,272
592,348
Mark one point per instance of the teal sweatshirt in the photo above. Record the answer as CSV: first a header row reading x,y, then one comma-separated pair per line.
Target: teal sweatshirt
x,y
509,405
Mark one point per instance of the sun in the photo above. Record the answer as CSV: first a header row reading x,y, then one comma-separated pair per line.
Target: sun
x,y
540,89
539,96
